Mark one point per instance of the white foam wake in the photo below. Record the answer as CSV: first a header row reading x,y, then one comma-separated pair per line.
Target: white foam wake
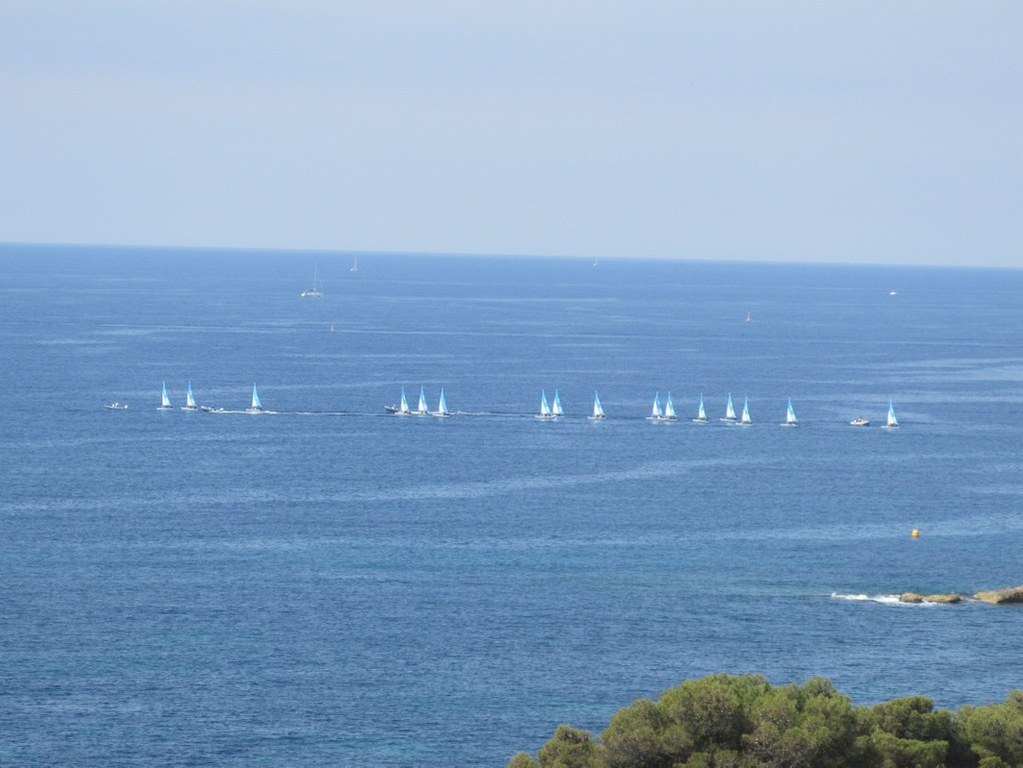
x,y
882,599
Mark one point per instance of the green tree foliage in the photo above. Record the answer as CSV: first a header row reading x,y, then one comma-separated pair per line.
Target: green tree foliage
x,y
728,721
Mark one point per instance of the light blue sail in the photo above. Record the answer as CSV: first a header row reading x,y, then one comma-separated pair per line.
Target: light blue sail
x,y
165,402
256,404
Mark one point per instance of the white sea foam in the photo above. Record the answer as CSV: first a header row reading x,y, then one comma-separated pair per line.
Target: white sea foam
x,y
881,599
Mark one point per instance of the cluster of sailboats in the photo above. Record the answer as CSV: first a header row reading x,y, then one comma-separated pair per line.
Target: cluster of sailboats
x,y
256,405
422,408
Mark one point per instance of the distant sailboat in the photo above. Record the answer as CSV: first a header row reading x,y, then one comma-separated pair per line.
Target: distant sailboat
x,y
313,292
556,409
598,410
442,407
729,410
189,400
749,317
669,410
257,406
545,410
790,416
893,423
701,414
745,421
422,409
402,409
355,266
165,403
656,414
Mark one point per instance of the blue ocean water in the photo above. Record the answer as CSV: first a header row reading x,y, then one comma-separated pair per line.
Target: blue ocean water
x,y
328,585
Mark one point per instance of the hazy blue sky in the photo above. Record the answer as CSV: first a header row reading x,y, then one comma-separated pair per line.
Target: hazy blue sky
x,y
820,131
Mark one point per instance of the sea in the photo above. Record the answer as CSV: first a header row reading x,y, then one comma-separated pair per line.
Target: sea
x,y
327,584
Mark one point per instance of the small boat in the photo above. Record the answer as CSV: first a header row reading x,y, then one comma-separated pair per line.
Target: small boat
x,y
556,409
545,410
402,408
892,423
656,414
669,410
701,414
313,292
893,293
745,421
790,417
749,317
355,266
256,406
189,400
422,409
210,409
442,411
331,327
116,406
729,411
598,410
165,403
860,421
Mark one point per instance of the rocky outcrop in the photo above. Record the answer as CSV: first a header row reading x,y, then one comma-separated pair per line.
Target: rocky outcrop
x,y
999,596
913,597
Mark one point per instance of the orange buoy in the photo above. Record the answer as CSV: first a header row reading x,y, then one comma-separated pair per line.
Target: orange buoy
x,y
915,534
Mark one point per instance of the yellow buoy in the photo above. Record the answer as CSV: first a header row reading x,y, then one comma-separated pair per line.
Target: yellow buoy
x,y
915,534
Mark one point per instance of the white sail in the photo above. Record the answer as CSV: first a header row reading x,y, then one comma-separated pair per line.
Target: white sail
x,y
545,410
669,409
701,413
893,423
403,408
729,409
355,266
598,409
655,410
790,416
315,290
422,408
190,399
556,409
442,406
165,402
745,420
256,404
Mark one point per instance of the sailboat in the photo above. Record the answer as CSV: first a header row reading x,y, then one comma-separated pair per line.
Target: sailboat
x,y
545,410
189,400
729,411
656,414
442,411
598,410
701,414
402,409
790,416
257,406
422,409
355,266
749,317
745,421
165,403
313,292
556,409
893,423
669,410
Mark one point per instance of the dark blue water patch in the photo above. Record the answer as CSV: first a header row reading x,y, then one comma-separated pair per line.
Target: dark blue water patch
x,y
331,585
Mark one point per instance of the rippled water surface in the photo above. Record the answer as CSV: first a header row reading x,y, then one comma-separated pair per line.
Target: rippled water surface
x,y
330,585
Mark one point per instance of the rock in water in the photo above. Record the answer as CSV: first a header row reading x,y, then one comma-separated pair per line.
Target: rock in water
x,y
998,596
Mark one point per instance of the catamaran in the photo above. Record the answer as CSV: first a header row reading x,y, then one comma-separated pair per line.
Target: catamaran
x,y
598,410
422,409
556,409
656,414
745,421
442,411
165,403
669,410
701,414
257,406
189,400
545,410
790,417
729,411
313,292
893,423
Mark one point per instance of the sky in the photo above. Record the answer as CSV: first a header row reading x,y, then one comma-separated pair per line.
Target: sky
x,y
875,132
